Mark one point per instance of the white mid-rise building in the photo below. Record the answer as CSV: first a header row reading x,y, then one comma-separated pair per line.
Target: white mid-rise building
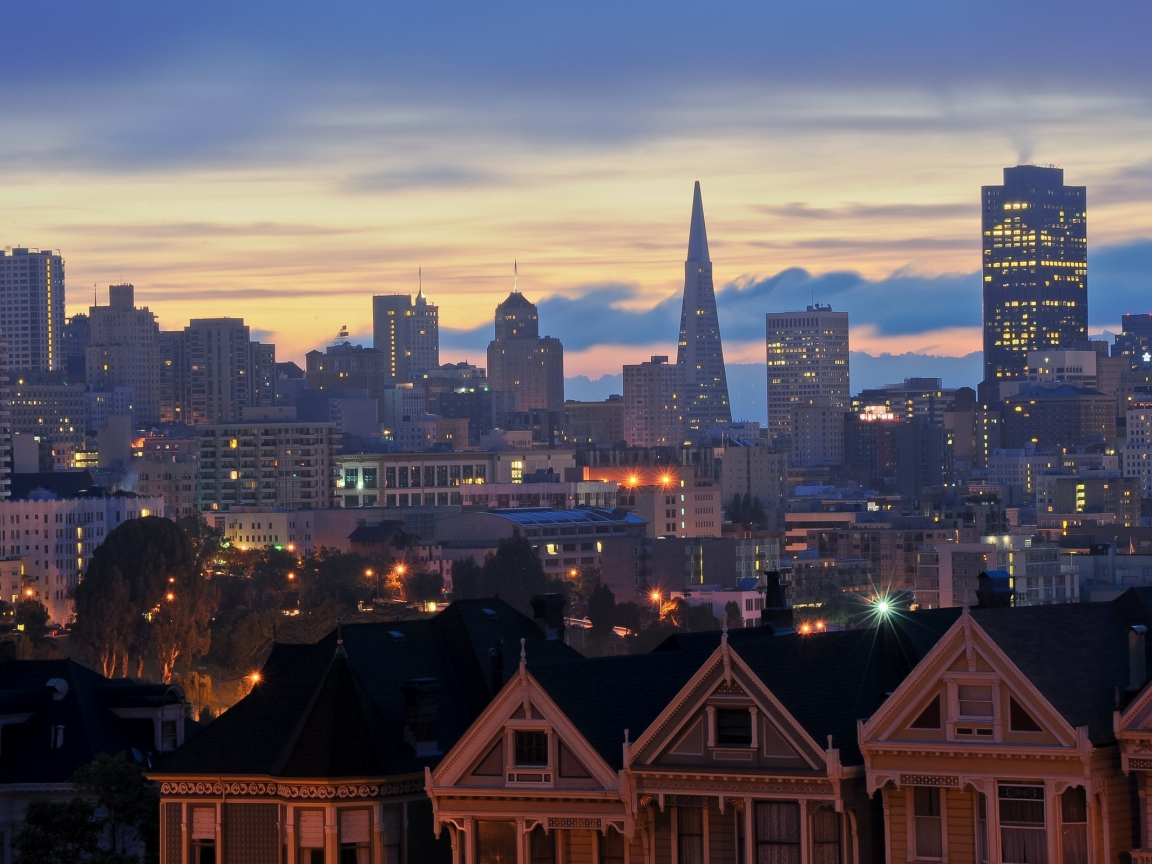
x,y
57,536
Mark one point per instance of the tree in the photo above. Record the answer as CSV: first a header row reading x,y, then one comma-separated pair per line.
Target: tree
x,y
735,509
104,618
465,579
57,833
602,609
32,619
115,813
181,626
628,615
240,636
423,587
154,557
735,616
207,541
127,801
515,574
756,513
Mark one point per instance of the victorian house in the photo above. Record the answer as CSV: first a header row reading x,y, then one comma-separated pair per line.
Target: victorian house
x,y
1005,743
57,716
324,761
957,736
717,747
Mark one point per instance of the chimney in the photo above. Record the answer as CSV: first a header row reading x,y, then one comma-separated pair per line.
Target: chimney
x,y
994,590
496,664
776,613
1137,670
548,613
421,696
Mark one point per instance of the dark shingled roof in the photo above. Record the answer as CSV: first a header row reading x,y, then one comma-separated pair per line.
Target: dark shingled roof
x,y
315,714
90,726
829,681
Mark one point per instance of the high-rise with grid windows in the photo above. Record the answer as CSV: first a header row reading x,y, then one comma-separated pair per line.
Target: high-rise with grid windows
x,y
32,309
1035,268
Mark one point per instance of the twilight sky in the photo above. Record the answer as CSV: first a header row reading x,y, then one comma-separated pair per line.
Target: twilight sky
x,y
283,161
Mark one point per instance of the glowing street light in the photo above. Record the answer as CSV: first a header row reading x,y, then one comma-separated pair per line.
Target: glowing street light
x,y
170,596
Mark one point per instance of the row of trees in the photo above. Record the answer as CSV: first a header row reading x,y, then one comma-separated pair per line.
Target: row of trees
x,y
746,508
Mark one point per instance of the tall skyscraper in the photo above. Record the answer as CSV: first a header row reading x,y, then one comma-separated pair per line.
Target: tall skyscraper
x,y
32,309
1035,268
407,331
653,411
523,362
807,366
212,371
124,352
699,351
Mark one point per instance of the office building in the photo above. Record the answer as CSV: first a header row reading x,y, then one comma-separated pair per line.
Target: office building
x,y
1063,416
213,371
124,351
1138,446
5,426
1035,245
817,434
807,365
596,422
265,463
171,476
700,353
50,407
523,362
654,404
1135,340
915,397
77,336
407,332
345,366
32,309
435,479
751,469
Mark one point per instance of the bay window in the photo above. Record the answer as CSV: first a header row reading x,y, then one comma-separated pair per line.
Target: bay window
x,y
355,837
1074,826
495,842
203,849
690,834
928,823
777,832
310,834
1023,835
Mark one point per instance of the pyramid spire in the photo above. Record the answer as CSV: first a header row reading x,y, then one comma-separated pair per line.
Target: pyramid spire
x,y
700,352
420,281
515,277
698,234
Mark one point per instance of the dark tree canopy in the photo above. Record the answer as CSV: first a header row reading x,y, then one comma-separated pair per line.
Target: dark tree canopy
x,y
602,609
515,574
465,579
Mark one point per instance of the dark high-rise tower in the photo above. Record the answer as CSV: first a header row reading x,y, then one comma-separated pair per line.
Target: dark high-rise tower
x,y
1035,268
700,352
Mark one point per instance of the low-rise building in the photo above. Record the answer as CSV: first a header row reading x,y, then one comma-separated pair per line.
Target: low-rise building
x,y
565,540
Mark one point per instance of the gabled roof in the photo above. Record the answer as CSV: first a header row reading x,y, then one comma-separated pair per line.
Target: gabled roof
x,y
316,715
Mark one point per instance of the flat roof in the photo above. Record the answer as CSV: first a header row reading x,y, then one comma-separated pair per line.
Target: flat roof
x,y
575,516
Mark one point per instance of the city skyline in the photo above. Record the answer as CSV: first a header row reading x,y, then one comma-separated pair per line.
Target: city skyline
x,y
207,177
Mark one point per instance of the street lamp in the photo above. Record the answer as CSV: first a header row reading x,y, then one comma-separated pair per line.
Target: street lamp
x,y
368,573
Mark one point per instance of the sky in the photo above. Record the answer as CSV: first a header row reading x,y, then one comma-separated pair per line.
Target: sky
x,y
282,162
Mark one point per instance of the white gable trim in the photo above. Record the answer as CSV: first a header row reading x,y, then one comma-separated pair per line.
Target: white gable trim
x,y
522,690
963,639
680,711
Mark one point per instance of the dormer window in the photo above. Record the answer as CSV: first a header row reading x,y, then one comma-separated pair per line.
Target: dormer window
x,y
733,727
531,748
975,701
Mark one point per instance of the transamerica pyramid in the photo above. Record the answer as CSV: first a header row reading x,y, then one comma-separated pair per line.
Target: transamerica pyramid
x,y
700,353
